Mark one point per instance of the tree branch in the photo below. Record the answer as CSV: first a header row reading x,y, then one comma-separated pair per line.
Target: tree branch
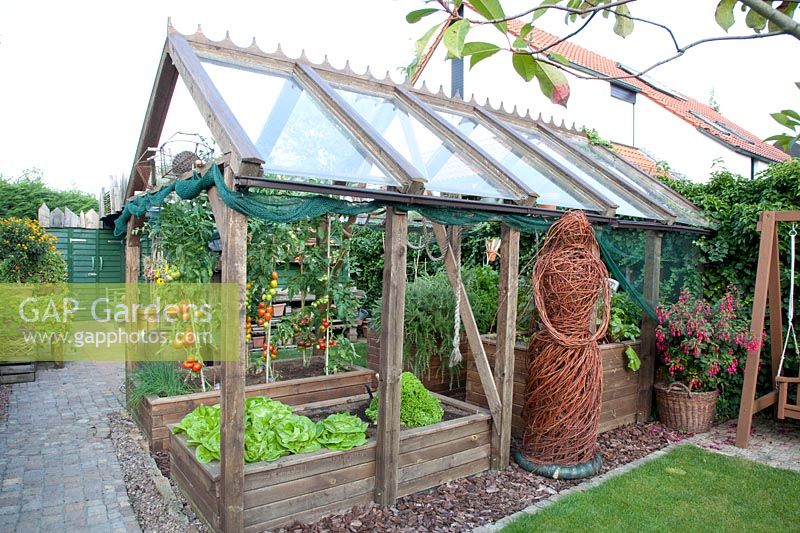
x,y
679,53
784,22
570,10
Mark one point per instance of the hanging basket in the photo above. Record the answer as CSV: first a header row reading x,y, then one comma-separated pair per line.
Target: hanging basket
x,y
683,410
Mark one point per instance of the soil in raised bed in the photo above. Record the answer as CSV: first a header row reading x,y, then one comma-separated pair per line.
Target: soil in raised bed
x,y
291,369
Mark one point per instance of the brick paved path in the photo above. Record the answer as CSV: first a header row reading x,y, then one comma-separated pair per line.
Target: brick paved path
x,y
773,443
58,467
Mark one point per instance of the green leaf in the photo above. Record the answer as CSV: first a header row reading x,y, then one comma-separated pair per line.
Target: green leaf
x,y
485,51
755,21
525,65
623,26
634,363
552,82
454,37
724,14
539,12
783,119
525,30
520,43
419,49
491,10
558,58
419,14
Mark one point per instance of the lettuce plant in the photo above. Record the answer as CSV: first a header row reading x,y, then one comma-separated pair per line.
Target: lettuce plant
x,y
418,407
341,431
271,431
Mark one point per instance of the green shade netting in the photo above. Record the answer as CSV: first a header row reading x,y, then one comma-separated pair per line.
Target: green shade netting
x,y
622,249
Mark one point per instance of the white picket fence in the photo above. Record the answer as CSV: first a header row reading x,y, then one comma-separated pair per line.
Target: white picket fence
x,y
66,218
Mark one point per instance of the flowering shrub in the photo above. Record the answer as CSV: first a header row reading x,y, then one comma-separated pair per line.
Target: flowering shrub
x,y
29,254
700,344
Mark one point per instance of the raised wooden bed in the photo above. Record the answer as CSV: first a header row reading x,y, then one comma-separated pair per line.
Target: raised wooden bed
x,y
307,486
620,385
154,413
17,373
436,379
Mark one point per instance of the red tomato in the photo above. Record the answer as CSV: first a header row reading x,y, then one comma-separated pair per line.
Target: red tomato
x,y
260,321
188,364
196,367
274,275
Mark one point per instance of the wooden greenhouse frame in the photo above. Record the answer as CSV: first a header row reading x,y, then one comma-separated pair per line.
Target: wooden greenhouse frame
x,y
243,167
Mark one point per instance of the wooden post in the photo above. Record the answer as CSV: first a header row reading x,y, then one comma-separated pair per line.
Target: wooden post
x,y
234,272
652,280
391,358
766,265
506,339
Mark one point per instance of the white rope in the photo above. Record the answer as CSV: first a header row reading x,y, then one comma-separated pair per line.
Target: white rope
x,y
455,355
790,314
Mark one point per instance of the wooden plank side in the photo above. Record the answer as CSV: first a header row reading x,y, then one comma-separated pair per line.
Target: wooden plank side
x,y
197,499
306,465
445,449
311,515
308,501
445,463
412,440
440,477
291,489
391,362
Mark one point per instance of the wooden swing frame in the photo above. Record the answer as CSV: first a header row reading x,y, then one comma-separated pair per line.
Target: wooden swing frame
x,y
767,291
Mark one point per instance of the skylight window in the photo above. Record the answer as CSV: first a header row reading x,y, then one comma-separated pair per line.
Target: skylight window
x,y
721,127
651,82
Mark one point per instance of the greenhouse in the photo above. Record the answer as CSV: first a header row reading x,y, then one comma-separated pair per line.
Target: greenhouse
x,y
341,144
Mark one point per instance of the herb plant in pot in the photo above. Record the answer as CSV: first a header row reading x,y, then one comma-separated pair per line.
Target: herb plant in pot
x,y
700,346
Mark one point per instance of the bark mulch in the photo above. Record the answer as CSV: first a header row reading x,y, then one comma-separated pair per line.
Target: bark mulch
x,y
467,503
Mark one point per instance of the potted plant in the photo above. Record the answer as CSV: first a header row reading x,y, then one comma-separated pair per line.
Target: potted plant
x,y
700,346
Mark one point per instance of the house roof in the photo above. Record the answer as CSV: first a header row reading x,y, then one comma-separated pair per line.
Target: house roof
x,y
636,157
701,116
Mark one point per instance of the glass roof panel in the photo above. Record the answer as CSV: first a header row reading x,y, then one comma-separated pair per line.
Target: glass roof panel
x,y
293,133
589,175
517,162
437,161
646,185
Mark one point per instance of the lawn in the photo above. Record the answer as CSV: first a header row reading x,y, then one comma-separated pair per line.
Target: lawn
x,y
688,489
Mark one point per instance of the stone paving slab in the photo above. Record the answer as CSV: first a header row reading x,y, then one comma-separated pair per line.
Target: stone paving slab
x,y
58,467
772,442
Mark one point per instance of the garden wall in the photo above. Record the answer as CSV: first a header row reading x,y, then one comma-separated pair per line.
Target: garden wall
x,y
620,385
307,486
436,379
154,414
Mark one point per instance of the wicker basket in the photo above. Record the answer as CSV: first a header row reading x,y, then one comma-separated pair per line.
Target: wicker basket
x,y
678,408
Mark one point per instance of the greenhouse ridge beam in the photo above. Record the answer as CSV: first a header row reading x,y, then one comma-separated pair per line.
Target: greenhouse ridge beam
x,y
451,203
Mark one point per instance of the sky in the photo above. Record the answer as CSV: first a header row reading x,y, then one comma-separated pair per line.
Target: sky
x,y
77,76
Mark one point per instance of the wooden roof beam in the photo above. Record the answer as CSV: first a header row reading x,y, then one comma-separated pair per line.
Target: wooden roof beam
x,y
631,192
565,178
154,118
409,177
447,132
220,119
